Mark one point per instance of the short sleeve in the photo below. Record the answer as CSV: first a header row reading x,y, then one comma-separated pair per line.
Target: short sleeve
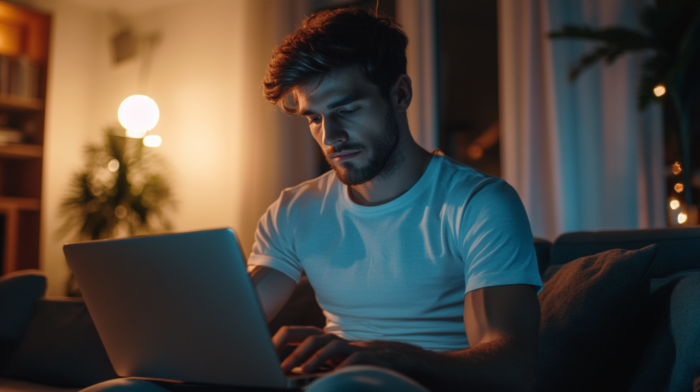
x,y
273,245
497,244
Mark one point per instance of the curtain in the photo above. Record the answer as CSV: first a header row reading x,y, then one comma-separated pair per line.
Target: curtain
x,y
579,153
418,21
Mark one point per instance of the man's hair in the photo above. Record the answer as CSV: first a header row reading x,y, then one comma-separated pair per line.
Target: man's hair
x,y
330,40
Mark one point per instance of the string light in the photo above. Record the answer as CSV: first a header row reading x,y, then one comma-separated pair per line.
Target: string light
x,y
682,217
676,169
678,187
659,90
674,204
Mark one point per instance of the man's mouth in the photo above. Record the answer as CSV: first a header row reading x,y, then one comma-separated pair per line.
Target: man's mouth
x,y
344,155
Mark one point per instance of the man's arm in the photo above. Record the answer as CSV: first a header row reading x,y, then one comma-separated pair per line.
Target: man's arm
x,y
502,325
273,288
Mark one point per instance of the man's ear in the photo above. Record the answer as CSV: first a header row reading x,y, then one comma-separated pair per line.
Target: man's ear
x,y
402,93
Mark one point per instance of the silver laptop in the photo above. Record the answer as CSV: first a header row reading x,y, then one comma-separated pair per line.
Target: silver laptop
x,y
178,307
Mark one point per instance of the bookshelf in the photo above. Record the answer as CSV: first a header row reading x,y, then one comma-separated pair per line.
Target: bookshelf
x,y
24,41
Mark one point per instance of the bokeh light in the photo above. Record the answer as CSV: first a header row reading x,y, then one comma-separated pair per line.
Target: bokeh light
x,y
152,141
674,204
682,217
659,90
113,165
676,169
678,187
138,114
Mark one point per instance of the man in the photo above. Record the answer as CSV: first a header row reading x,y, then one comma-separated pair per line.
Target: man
x,y
421,265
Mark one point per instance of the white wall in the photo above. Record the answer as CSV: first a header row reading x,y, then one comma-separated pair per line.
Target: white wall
x,y
69,103
229,151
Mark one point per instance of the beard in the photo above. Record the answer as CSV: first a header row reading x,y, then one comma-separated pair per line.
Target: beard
x,y
383,162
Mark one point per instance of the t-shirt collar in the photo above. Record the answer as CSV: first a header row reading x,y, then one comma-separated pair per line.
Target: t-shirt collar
x,y
401,201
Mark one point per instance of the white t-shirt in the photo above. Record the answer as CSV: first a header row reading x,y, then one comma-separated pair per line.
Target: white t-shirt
x,y
399,271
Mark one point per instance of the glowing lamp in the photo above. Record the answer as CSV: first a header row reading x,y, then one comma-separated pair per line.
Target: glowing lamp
x,y
138,114
675,204
682,218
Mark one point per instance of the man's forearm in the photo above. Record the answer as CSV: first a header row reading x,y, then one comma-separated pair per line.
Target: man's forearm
x,y
497,365
272,287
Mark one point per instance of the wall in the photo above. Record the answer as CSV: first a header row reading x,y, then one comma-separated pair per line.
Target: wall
x,y
230,153
69,104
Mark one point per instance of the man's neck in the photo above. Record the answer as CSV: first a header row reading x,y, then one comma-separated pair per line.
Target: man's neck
x,y
383,189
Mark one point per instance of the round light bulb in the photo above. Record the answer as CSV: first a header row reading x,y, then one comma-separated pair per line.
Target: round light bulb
x,y
138,114
682,217
675,204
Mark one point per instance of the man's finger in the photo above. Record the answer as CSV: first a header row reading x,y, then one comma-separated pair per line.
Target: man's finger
x,y
293,335
357,358
306,349
334,351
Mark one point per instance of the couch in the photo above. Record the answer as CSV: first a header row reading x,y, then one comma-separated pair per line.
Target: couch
x,y
611,319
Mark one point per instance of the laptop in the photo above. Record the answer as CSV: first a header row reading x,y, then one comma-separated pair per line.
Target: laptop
x,y
178,307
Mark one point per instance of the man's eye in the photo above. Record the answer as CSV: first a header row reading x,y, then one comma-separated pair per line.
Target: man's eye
x,y
315,120
347,111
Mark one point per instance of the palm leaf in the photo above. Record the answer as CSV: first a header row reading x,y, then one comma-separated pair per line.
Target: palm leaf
x,y
619,38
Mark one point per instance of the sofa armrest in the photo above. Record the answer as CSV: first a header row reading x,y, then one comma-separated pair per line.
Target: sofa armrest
x,y
61,347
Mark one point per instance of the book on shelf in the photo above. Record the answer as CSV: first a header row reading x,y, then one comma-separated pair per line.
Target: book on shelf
x,y
8,135
19,77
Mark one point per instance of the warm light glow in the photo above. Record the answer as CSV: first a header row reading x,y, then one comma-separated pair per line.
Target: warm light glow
x,y
152,141
113,165
120,212
138,114
682,217
678,187
675,204
135,134
676,169
659,90
475,152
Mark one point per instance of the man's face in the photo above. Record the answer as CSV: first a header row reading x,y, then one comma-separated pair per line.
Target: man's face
x,y
355,126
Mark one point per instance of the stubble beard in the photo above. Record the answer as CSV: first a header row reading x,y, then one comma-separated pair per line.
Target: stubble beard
x,y
385,160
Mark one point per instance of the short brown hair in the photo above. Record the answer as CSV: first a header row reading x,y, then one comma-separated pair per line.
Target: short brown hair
x,y
329,40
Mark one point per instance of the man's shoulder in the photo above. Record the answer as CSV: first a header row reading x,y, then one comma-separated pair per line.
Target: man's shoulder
x,y
462,181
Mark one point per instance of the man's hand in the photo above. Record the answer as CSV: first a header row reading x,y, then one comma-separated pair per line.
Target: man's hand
x,y
501,323
317,348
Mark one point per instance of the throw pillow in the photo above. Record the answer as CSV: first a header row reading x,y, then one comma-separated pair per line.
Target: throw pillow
x,y
61,347
588,306
18,294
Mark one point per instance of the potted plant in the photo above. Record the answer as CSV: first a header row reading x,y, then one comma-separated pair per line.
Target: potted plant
x,y
672,33
121,192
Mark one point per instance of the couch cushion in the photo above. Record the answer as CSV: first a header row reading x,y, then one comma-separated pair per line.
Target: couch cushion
x,y
588,306
656,360
678,248
685,328
18,294
61,347
11,385
542,249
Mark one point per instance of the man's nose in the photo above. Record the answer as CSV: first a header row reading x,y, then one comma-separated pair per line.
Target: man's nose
x,y
333,132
